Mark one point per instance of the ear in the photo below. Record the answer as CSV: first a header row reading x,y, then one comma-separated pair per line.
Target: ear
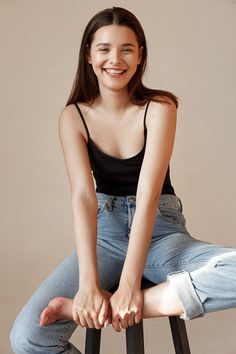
x,y
140,55
88,54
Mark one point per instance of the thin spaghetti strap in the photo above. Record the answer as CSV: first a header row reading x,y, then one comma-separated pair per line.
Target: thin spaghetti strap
x,y
83,120
144,120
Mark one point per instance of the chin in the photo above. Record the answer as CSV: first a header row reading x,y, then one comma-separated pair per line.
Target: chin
x,y
118,88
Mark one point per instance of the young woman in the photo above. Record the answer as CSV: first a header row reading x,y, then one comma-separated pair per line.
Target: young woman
x,y
132,224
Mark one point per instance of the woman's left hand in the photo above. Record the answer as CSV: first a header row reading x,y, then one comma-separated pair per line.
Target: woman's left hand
x,y
126,305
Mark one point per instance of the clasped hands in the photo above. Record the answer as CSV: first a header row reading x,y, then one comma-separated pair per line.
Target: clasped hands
x,y
94,307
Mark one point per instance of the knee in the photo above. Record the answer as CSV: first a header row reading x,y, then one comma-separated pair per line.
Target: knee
x,y
23,335
17,338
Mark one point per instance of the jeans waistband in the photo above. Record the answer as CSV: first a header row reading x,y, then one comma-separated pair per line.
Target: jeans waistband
x,y
165,200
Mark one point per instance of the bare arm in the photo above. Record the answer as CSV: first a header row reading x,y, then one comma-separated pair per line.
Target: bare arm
x,y
90,304
83,196
161,127
127,301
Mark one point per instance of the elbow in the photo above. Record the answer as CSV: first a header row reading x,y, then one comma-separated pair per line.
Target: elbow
x,y
84,198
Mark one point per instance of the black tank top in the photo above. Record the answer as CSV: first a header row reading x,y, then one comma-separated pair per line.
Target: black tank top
x,y
116,176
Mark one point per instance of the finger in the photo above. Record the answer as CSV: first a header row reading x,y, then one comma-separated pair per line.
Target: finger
x,y
109,315
127,320
108,320
131,319
82,320
137,317
124,323
97,325
116,323
90,322
94,318
76,317
103,312
96,322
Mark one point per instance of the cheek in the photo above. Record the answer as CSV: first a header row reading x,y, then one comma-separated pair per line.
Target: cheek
x,y
133,61
134,66
98,62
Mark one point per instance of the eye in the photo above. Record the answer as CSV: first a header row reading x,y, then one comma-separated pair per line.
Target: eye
x,y
127,50
104,50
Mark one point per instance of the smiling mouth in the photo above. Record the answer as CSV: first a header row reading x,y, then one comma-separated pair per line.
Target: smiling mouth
x,y
114,72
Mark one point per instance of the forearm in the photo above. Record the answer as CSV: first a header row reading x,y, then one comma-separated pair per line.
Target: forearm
x,y
140,238
85,228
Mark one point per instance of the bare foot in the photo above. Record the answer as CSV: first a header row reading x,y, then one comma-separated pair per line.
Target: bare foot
x,y
60,308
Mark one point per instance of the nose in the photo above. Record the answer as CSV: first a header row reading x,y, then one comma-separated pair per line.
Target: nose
x,y
114,57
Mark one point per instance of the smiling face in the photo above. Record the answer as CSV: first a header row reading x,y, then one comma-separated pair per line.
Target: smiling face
x,y
114,55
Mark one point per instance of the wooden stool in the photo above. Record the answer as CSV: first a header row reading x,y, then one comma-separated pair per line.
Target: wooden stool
x,y
134,334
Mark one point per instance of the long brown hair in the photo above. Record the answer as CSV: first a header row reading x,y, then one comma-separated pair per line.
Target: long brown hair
x,y
85,86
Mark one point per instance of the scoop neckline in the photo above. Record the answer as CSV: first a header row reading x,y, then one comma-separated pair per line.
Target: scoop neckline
x,y
90,140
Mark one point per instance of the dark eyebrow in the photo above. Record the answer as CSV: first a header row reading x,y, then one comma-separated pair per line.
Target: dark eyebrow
x,y
108,45
103,44
128,45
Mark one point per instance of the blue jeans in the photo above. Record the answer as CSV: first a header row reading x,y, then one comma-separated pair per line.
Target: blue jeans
x,y
203,274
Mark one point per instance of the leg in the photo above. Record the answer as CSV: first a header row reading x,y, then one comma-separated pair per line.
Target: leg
x,y
60,308
201,274
211,287
161,300
27,336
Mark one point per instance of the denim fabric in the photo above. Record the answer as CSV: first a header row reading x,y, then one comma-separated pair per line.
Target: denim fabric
x,y
203,274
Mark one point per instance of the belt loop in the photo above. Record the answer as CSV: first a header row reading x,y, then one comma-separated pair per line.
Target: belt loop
x,y
110,202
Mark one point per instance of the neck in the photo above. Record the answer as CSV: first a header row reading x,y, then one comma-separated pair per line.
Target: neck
x,y
113,101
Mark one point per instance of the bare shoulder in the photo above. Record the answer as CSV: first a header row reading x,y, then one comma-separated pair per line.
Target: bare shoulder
x,y
75,153
161,111
166,106
68,115
69,120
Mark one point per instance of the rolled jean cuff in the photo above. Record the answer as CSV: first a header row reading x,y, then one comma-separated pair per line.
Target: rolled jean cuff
x,y
182,283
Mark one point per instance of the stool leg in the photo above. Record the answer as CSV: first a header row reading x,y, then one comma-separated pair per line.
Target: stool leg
x,y
92,342
179,335
134,339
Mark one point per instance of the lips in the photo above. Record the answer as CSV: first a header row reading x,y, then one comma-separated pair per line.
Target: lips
x,y
114,72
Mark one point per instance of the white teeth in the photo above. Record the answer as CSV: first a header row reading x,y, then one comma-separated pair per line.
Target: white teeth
x,y
114,71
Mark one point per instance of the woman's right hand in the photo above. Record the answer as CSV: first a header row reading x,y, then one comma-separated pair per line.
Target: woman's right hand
x,y
91,307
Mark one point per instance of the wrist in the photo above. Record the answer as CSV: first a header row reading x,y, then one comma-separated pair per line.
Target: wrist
x,y
88,284
130,280
89,279
129,276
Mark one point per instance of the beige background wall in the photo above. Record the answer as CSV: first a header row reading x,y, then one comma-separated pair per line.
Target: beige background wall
x,y
192,53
